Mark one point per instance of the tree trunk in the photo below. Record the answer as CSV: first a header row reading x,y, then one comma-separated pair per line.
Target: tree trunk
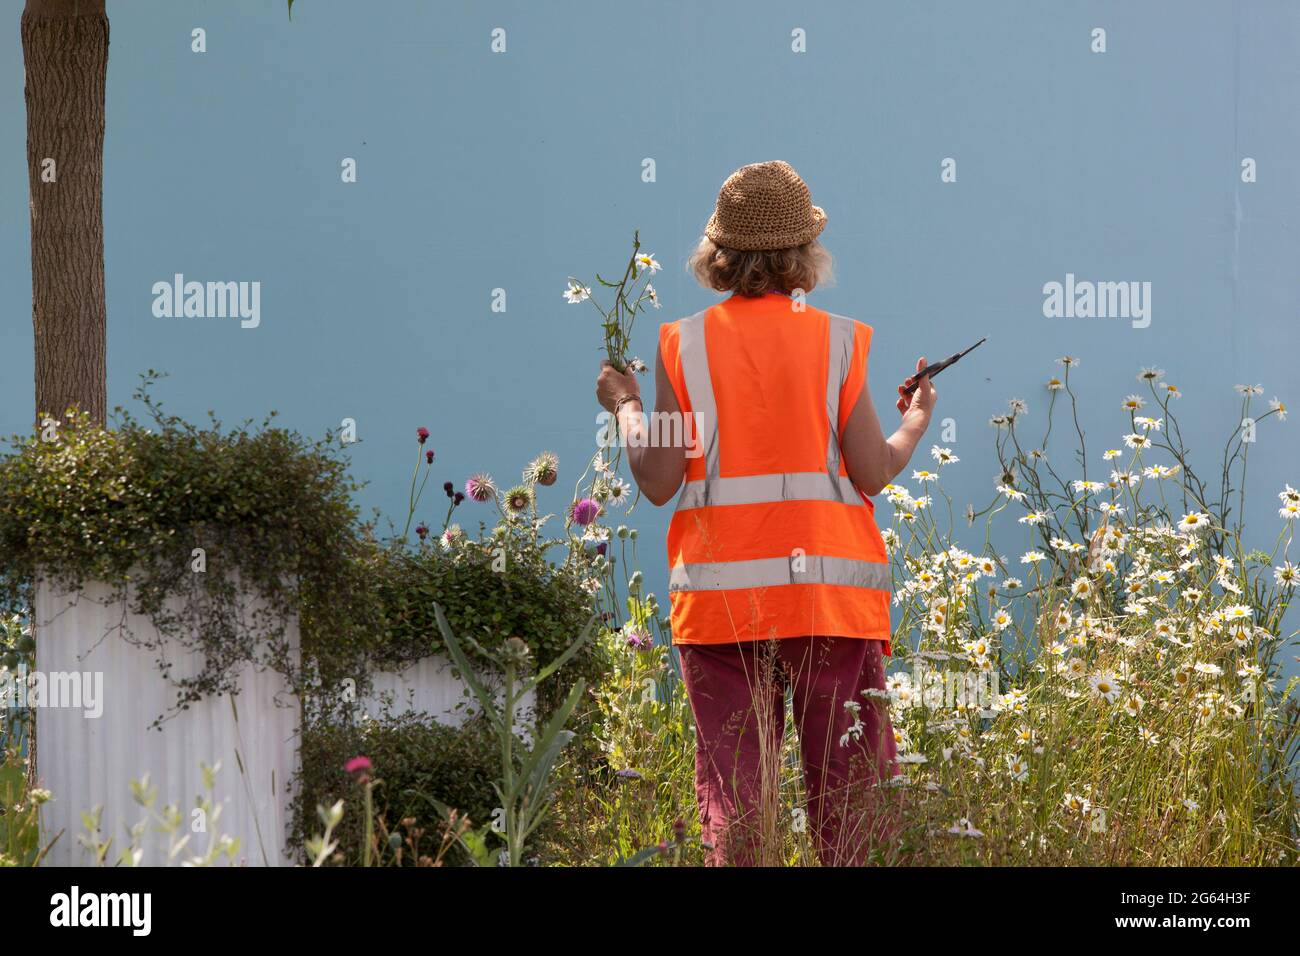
x,y
65,61
65,54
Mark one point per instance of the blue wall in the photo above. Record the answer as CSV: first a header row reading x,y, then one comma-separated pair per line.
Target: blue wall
x,y
481,170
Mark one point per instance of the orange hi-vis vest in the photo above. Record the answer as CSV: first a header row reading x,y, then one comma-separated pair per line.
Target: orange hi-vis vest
x,y
771,538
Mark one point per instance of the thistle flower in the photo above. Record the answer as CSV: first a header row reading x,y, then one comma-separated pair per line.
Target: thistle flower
x,y
421,531
428,457
543,469
458,498
359,768
422,434
584,511
449,488
519,499
481,488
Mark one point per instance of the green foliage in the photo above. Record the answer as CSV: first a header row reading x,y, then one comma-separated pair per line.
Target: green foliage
x,y
415,760
129,505
631,797
490,591
525,785
19,820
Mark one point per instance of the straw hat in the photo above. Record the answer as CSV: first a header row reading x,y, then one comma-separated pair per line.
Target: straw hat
x,y
764,206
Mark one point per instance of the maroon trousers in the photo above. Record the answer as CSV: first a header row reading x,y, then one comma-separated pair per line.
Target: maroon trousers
x,y
737,694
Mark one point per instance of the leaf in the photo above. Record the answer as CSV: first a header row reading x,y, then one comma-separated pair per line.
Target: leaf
x,y
537,767
569,651
290,9
641,856
467,674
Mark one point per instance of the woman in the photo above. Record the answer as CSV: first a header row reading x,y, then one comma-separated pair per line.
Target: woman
x,y
778,574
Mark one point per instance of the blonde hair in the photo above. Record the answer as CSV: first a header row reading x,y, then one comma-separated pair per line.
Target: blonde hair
x,y
757,272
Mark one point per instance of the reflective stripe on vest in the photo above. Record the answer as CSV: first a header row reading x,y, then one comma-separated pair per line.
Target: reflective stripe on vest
x,y
772,572
761,489
715,490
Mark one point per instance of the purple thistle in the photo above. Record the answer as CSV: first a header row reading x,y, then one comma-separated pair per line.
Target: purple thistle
x,y
584,511
481,488
422,433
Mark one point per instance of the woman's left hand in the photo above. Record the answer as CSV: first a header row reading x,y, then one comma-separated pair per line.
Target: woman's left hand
x,y
611,385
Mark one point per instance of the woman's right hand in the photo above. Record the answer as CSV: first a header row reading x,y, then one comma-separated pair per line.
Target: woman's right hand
x,y
920,403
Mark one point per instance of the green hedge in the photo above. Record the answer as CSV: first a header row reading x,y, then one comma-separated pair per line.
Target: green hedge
x,y
162,510
490,591
455,766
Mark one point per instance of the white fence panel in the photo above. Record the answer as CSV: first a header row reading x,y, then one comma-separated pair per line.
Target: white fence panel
x,y
429,686
88,761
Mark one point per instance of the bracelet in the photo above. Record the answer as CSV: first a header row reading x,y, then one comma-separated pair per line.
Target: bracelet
x,y
630,397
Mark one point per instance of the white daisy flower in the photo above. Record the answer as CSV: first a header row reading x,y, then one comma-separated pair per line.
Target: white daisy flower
x,y
1011,493
646,260
1105,685
576,293
1286,574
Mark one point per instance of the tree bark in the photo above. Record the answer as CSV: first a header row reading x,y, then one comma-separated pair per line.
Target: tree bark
x,y
65,62
65,55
